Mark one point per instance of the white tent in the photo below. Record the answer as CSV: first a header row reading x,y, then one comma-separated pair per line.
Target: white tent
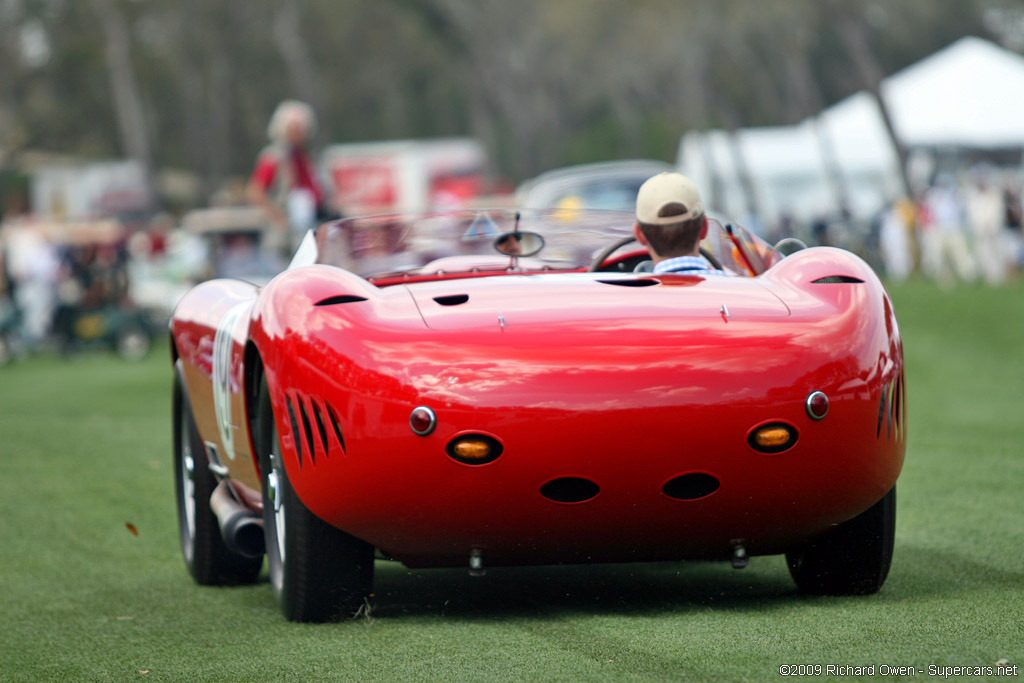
x,y
805,171
968,95
786,166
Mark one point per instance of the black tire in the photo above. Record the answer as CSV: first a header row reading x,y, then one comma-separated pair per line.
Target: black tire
x,y
853,559
319,573
207,557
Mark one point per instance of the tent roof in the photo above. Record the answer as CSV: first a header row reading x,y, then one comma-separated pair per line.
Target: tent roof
x,y
970,93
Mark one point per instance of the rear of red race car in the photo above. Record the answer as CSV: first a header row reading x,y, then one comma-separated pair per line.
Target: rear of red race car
x,y
535,419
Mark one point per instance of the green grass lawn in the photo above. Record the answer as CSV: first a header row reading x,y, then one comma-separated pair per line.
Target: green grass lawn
x,y
85,450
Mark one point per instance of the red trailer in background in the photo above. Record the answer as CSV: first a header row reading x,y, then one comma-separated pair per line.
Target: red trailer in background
x,y
405,175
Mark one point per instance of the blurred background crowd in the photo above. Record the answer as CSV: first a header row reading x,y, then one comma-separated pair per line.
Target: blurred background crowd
x,y
141,142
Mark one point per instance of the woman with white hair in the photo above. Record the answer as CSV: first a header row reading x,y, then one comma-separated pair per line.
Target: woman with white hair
x,y
284,182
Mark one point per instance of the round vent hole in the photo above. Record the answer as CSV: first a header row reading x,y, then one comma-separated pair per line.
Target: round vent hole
x,y
642,282
691,486
569,490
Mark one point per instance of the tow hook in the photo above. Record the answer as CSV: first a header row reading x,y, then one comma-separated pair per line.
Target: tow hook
x,y
739,557
476,563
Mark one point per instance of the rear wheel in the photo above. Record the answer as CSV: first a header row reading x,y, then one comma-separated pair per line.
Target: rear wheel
x,y
853,559
207,557
319,573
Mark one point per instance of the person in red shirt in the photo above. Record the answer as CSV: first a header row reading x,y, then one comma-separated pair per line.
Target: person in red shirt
x,y
284,183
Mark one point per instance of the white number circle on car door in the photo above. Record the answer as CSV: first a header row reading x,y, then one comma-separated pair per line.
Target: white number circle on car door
x,y
222,344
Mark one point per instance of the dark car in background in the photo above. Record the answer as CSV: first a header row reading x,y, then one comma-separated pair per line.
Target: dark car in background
x,y
608,185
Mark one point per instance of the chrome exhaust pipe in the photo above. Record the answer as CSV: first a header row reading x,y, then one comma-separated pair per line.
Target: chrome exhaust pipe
x,y
241,528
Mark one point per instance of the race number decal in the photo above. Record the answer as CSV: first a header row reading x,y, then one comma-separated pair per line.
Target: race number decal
x,y
222,344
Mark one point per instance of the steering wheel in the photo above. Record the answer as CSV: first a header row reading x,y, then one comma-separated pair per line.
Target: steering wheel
x,y
599,260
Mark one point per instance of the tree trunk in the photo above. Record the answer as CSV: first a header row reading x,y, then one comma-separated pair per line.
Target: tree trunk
x,y
294,50
854,37
731,122
127,98
219,107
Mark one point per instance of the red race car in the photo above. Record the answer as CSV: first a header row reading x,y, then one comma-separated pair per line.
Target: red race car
x,y
489,388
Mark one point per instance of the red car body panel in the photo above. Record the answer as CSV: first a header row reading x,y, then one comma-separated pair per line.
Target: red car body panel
x,y
628,381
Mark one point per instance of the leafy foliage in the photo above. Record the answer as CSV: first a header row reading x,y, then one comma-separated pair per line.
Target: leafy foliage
x,y
541,83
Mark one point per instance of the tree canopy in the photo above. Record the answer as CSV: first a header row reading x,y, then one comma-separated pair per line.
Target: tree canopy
x,y
190,84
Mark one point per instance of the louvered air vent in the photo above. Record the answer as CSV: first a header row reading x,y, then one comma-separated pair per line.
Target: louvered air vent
x,y
340,299
641,282
836,280
452,299
309,417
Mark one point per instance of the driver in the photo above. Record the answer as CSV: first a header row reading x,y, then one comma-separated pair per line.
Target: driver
x,y
509,244
670,222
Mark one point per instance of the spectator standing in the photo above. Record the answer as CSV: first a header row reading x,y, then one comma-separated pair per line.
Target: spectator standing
x,y
284,183
1013,223
34,266
942,234
894,241
986,213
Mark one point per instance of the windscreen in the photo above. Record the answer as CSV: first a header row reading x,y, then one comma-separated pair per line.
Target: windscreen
x,y
464,241
738,250
377,245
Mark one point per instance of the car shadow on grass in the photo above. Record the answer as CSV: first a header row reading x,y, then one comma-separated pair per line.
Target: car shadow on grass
x,y
923,572
597,589
651,588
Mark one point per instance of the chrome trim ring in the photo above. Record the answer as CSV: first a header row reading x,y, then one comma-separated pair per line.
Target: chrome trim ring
x,y
188,485
807,405
430,427
275,493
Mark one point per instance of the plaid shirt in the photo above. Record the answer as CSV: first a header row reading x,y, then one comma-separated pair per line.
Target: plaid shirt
x,y
686,265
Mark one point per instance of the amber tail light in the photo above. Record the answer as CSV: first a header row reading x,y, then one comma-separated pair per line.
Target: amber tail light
x,y
474,449
772,438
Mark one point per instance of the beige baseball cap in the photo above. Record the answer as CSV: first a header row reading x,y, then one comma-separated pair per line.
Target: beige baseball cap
x,y
655,200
